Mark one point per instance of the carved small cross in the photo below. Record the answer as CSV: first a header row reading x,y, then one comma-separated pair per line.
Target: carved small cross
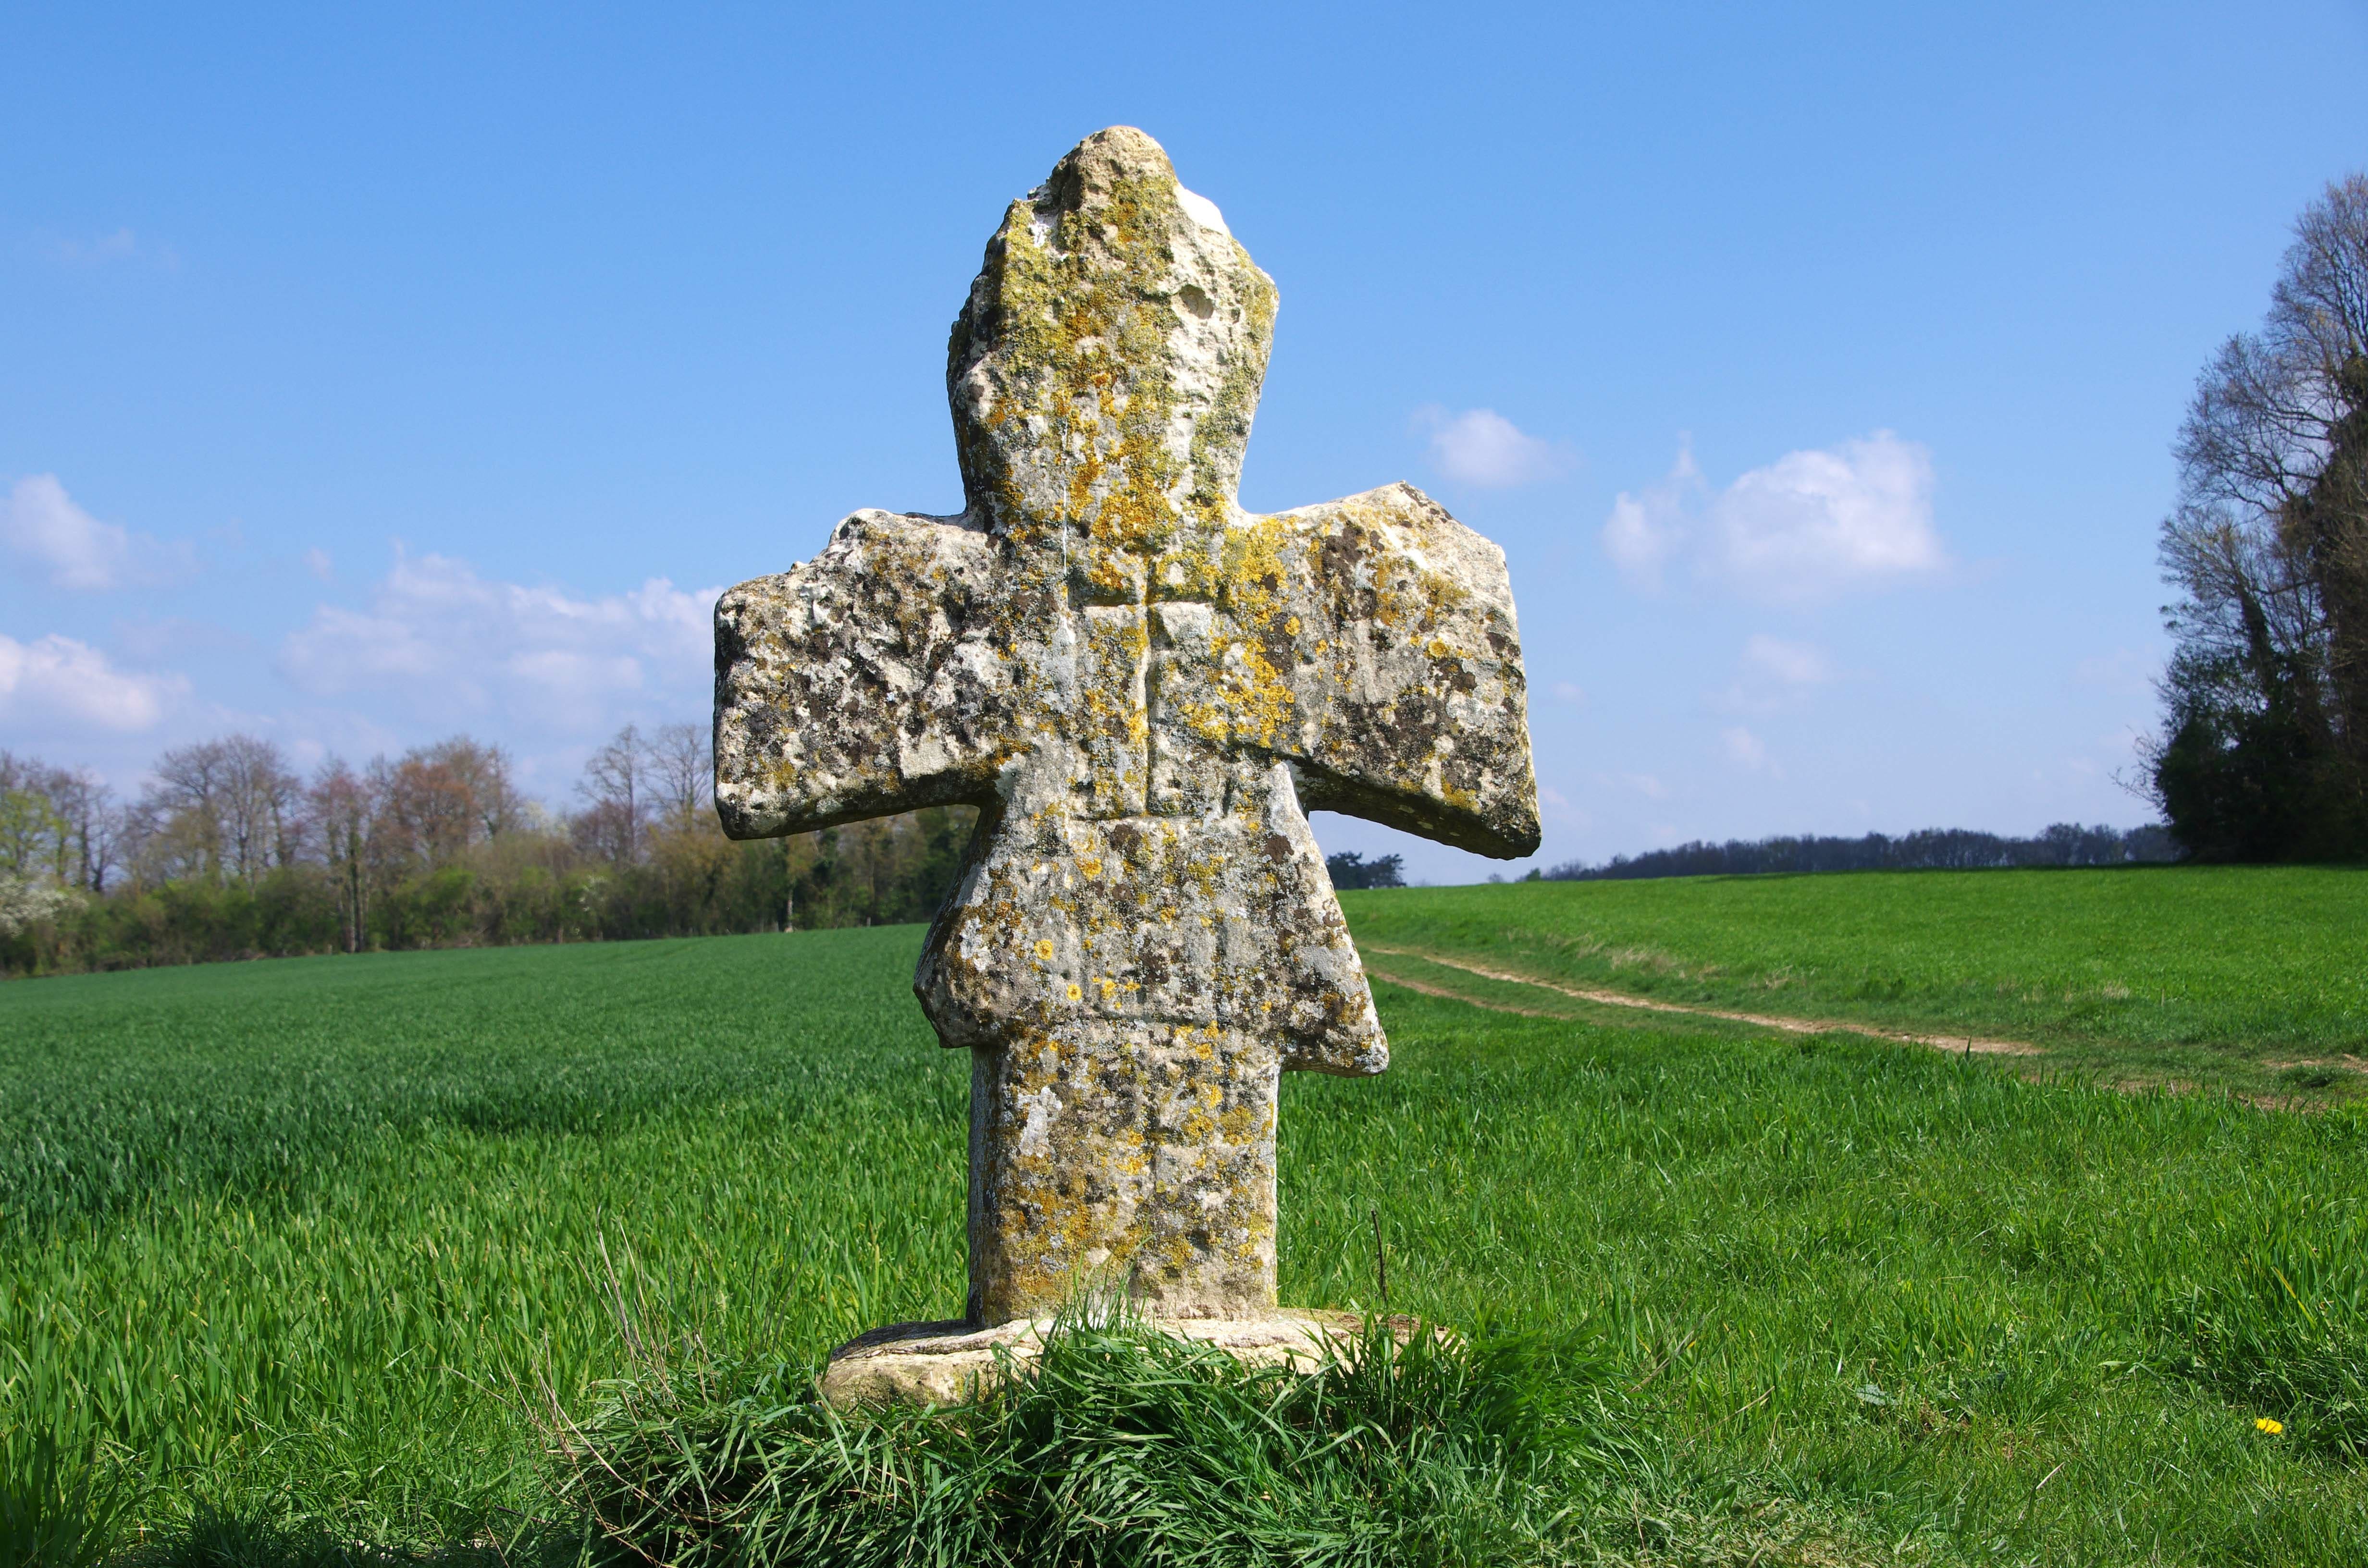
x,y
1143,688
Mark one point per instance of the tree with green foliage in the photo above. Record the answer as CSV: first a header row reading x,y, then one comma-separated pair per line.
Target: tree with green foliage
x,y
1349,868
2265,751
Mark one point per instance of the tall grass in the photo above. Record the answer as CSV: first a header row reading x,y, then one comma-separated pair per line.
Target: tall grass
x,y
289,1235
1115,1446
65,1504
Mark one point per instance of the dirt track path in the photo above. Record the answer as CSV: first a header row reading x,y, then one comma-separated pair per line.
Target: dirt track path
x,y
1974,1045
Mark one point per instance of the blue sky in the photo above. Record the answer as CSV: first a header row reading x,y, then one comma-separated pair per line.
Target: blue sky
x,y
368,373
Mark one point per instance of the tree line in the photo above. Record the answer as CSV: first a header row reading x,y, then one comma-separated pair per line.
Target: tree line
x,y
2264,750
229,852
1931,849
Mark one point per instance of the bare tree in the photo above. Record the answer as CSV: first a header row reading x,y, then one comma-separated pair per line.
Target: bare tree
x,y
481,774
95,823
225,810
183,806
431,815
258,809
616,783
604,830
342,808
682,774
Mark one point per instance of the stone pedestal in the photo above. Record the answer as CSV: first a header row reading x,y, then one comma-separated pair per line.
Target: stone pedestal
x,y
943,1363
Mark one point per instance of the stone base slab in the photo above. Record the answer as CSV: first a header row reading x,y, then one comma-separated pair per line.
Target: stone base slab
x,y
943,1363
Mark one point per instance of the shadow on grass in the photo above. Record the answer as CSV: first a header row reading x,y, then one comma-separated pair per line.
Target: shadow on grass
x,y
222,1539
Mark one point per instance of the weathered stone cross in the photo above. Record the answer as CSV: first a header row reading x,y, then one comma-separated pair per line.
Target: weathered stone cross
x,y
1142,687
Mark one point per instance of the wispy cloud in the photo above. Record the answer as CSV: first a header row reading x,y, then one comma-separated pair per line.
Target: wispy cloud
x,y
443,641
1811,524
1773,674
104,250
1481,447
41,522
62,683
1647,527
1744,749
1773,660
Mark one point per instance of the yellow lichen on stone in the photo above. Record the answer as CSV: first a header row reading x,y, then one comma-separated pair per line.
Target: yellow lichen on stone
x,y
1142,688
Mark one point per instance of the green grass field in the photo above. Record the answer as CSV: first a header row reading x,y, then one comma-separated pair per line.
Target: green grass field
x,y
2247,978
294,1235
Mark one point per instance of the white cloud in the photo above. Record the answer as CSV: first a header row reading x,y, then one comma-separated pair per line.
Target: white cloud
x,y
1809,525
1646,530
40,520
1566,691
1481,447
1645,784
1811,522
316,562
1744,748
455,647
60,680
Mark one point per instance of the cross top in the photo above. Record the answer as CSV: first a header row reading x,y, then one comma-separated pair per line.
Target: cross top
x,y
1104,371
1143,688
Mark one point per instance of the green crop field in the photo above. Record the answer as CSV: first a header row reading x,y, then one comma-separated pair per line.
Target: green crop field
x,y
298,1241
2247,978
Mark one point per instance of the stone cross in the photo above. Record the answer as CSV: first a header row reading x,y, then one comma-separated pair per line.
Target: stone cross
x,y
1143,688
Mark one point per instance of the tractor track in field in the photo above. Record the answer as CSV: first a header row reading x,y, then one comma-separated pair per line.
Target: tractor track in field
x,y
1971,1045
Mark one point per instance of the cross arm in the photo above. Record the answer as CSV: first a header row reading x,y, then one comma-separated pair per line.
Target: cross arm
x,y
1395,624
862,683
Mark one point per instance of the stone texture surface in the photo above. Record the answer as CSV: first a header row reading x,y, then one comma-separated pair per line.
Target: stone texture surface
x,y
944,1363
1143,688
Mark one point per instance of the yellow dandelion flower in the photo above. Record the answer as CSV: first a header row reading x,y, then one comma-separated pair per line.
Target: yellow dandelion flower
x,y
2263,1424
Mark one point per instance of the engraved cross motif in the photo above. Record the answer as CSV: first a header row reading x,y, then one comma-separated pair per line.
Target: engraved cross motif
x,y
1143,688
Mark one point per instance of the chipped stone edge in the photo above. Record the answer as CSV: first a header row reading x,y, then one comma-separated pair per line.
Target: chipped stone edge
x,y
944,1363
